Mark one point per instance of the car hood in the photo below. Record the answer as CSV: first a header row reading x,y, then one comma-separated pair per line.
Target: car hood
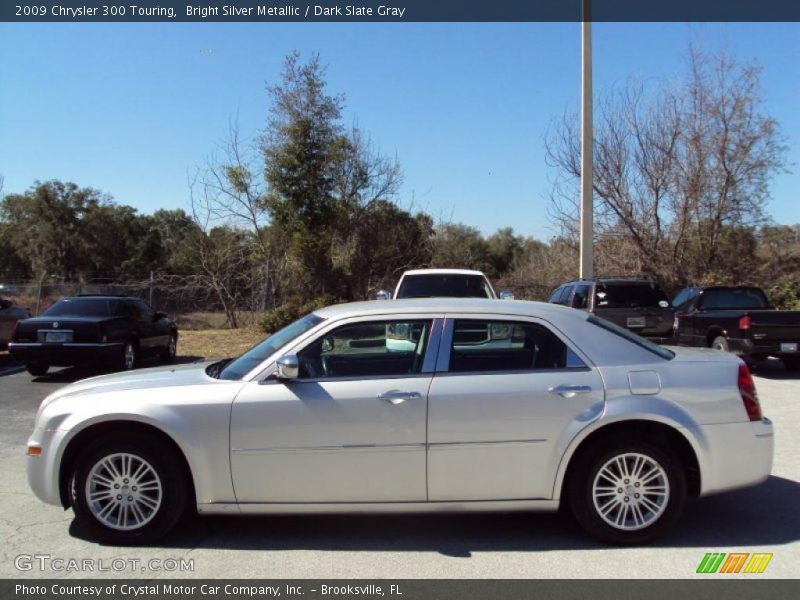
x,y
160,377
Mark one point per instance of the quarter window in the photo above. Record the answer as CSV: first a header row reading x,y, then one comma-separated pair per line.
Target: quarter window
x,y
374,349
507,346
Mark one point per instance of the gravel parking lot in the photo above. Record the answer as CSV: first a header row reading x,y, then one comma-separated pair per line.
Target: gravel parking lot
x,y
763,519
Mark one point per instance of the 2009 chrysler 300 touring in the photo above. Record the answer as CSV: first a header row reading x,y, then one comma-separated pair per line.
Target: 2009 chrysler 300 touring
x,y
413,405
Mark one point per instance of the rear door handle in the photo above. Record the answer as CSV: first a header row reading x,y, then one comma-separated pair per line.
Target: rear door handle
x,y
398,397
570,391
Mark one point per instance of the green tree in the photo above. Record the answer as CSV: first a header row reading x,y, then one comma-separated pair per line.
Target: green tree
x,y
459,246
324,182
303,149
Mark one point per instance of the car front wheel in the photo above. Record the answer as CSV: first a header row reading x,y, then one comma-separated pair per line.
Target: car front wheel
x,y
629,493
129,492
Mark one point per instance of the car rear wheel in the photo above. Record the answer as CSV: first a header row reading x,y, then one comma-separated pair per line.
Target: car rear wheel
x,y
720,343
129,492
168,354
628,493
792,363
128,356
37,369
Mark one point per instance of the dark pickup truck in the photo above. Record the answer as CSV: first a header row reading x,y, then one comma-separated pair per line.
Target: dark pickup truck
x,y
739,320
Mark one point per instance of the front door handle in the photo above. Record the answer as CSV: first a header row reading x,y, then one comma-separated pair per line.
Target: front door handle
x,y
398,397
570,391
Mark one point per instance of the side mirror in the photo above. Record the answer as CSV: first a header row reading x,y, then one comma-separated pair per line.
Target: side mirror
x,y
288,367
383,295
506,295
159,315
5,304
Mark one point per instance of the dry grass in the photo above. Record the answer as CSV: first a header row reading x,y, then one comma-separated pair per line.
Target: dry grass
x,y
213,320
217,343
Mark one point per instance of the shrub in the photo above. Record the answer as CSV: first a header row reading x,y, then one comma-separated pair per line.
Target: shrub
x,y
785,292
291,310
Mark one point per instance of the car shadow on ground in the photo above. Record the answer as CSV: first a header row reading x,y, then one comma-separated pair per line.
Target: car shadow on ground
x,y
8,366
760,516
73,374
771,368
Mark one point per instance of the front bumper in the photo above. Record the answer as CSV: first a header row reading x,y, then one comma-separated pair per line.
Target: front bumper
x,y
43,470
736,455
65,355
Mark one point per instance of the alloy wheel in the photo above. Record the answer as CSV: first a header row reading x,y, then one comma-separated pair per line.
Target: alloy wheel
x,y
123,491
630,491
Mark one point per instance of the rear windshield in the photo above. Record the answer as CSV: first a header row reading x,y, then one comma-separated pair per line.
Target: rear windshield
x,y
632,337
744,298
628,295
82,307
455,286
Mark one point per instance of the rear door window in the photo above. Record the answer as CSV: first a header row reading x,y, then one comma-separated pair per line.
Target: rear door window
x,y
507,346
581,297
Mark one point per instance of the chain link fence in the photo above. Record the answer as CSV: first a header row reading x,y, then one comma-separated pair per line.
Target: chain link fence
x,y
191,305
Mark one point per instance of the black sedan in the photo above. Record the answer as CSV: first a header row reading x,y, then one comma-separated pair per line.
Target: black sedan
x,y
90,330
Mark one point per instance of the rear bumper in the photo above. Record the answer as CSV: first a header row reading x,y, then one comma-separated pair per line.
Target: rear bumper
x,y
745,347
64,355
737,455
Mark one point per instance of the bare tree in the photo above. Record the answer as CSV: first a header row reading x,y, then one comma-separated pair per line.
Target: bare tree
x,y
675,168
240,258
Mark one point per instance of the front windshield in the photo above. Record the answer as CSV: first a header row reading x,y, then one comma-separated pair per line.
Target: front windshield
x,y
241,366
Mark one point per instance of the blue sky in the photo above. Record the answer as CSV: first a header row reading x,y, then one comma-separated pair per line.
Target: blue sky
x,y
132,109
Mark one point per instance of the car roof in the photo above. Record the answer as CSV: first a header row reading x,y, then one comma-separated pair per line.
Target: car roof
x,y
443,272
447,305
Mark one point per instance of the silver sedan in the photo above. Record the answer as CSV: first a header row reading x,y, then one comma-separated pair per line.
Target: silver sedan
x,y
412,405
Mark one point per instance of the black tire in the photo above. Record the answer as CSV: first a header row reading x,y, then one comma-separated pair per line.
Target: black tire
x,y
37,369
130,352
168,353
792,363
169,470
720,343
586,511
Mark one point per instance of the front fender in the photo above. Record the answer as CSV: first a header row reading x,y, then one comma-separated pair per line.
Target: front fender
x,y
199,429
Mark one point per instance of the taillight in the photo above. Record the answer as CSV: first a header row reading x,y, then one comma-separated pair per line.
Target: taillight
x,y
747,389
745,323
